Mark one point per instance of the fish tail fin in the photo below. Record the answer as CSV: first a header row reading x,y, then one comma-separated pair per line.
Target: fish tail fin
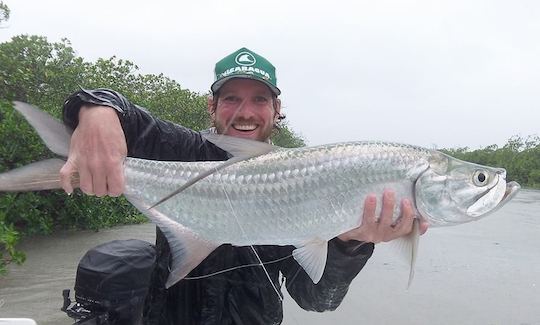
x,y
45,174
41,175
54,134
187,248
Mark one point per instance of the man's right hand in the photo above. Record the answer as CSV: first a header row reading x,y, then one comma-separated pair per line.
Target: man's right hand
x,y
97,152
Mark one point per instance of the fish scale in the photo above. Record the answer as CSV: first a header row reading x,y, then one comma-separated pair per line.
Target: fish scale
x,y
320,197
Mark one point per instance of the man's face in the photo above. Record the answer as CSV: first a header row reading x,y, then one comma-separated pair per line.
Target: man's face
x,y
245,109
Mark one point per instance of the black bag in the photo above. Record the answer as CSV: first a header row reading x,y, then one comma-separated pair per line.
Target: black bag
x,y
112,282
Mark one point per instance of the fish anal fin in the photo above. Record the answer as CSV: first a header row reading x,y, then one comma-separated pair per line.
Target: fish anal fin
x,y
187,248
312,257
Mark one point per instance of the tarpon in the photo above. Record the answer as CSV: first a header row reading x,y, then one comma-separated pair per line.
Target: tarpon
x,y
267,195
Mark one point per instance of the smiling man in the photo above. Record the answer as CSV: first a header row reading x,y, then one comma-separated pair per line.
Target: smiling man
x,y
244,103
245,99
245,108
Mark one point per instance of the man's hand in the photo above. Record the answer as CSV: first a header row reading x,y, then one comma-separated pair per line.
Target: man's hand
x,y
97,151
384,229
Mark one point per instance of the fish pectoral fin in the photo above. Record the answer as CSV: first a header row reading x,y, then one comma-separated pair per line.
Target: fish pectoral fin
x,y
407,246
187,248
312,257
239,147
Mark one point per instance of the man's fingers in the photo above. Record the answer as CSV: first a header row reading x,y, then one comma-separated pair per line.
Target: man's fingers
x,y
115,181
384,229
405,221
65,176
97,172
423,227
370,205
99,183
85,181
387,210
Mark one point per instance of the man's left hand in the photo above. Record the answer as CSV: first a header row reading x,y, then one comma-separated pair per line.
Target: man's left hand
x,y
383,229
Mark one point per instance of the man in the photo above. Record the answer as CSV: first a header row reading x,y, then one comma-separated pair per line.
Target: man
x,y
244,103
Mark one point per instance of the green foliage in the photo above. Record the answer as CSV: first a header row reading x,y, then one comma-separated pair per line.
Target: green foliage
x,y
287,138
519,156
39,72
4,12
9,237
36,71
26,214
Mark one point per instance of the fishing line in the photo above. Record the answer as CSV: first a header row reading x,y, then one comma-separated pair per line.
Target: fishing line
x,y
231,121
235,268
252,248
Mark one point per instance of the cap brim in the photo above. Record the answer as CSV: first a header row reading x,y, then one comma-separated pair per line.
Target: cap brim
x,y
219,83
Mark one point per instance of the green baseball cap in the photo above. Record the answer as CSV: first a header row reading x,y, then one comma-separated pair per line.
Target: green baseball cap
x,y
245,63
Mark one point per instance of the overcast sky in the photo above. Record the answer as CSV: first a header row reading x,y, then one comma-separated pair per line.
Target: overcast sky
x,y
427,72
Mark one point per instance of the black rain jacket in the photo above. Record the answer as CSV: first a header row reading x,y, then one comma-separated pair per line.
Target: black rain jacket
x,y
241,296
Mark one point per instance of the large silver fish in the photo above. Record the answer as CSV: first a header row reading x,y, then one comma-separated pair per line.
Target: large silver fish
x,y
266,195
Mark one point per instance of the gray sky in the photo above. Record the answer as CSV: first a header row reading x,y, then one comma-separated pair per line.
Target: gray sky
x,y
427,72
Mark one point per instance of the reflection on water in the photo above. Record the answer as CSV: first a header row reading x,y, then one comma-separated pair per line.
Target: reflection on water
x,y
485,272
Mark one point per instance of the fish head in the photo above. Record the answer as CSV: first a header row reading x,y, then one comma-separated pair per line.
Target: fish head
x,y
452,191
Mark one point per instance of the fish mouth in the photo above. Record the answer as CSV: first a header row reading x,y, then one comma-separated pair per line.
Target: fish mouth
x,y
512,188
494,199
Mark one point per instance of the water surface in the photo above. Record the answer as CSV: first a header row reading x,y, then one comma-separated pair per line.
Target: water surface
x,y
485,272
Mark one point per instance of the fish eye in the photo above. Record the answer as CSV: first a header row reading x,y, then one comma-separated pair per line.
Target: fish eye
x,y
480,178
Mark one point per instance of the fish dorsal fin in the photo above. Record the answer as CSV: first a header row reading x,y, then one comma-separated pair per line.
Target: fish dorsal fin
x,y
197,178
187,248
54,134
407,247
312,257
239,147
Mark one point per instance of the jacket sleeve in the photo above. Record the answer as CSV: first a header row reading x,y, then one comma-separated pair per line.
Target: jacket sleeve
x,y
146,136
150,138
344,262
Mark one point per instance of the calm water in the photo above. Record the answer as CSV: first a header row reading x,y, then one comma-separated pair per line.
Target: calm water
x,y
486,272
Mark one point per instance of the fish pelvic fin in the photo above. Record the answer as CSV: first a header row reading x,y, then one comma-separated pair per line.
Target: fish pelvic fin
x,y
38,176
54,134
312,257
241,149
187,248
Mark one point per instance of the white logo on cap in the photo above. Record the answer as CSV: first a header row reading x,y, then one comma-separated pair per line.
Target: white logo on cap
x,y
245,59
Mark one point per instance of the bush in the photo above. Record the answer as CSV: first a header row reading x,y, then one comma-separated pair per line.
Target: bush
x,y
519,156
44,74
